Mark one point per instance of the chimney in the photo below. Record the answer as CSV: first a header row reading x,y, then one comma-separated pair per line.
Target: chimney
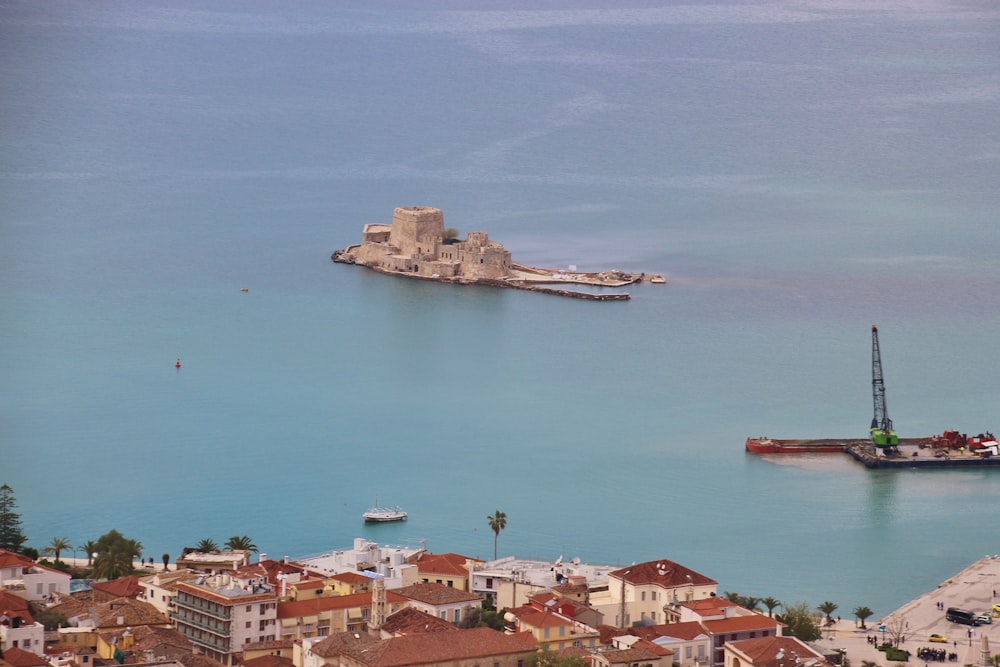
x,y
263,557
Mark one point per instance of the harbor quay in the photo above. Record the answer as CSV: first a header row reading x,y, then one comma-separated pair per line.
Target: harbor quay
x,y
975,589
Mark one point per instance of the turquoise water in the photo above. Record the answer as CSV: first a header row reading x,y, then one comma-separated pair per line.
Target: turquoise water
x,y
797,174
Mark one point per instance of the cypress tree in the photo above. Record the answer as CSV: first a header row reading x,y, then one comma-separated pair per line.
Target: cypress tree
x,y
11,537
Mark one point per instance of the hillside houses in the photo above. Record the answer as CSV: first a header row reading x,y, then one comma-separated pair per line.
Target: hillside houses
x,y
378,605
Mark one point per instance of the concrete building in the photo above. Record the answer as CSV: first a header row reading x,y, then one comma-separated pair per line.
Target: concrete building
x,y
450,569
511,582
27,579
550,629
445,602
18,629
325,616
222,613
645,593
367,556
772,652
415,244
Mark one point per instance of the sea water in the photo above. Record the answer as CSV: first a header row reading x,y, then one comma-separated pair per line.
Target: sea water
x,y
798,173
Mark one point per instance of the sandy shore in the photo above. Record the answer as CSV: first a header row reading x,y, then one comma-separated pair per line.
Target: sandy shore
x,y
975,588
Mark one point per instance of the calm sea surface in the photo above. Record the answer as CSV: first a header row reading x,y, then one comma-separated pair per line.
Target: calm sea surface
x,y
797,171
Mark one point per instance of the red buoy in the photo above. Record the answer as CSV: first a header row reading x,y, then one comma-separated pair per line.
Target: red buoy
x,y
178,364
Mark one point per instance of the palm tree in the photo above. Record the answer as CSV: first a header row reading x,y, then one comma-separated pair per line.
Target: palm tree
x,y
90,546
207,545
828,608
57,546
750,602
862,613
498,522
113,563
237,543
771,604
166,561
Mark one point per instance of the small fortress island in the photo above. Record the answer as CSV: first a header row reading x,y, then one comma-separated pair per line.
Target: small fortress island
x,y
416,245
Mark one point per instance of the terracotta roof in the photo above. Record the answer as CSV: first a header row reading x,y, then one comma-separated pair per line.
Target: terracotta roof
x,y
123,587
18,657
686,631
307,584
13,606
450,564
708,605
629,656
410,620
435,594
665,573
764,651
11,559
740,623
192,660
538,618
423,649
351,578
269,661
127,612
148,638
299,608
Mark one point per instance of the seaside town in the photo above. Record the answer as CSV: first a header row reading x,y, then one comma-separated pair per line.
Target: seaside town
x,y
365,604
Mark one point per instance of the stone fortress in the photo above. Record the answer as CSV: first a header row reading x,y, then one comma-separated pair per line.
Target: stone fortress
x,y
416,245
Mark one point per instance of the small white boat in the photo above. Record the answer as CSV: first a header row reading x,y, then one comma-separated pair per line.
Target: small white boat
x,y
381,514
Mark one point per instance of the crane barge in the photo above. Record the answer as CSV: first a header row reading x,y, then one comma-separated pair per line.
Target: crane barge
x,y
883,437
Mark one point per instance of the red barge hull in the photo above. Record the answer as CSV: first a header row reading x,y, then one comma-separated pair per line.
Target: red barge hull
x,y
807,446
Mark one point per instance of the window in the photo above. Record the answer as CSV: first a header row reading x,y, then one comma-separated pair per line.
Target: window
x,y
489,582
451,584
687,652
652,596
642,596
547,632
457,615
248,624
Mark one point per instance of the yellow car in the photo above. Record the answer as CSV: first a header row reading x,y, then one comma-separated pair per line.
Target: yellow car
x,y
938,638
996,609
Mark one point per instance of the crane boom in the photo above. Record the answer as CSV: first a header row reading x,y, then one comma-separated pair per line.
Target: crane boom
x,y
881,429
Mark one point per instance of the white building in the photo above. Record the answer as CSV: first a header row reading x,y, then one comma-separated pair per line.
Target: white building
x,y
25,578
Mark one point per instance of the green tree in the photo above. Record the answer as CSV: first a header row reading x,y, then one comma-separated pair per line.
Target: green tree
x,y
166,561
115,555
771,604
207,545
52,620
11,537
750,602
57,546
498,521
237,543
828,608
90,546
800,622
548,658
862,613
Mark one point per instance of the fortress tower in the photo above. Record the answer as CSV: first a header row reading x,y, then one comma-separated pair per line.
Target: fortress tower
x,y
417,230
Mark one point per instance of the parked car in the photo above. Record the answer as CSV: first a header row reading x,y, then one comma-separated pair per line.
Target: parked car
x,y
938,638
996,608
985,618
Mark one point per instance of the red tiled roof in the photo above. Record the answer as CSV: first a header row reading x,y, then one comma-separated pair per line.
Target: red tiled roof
x,y
268,661
708,605
686,631
11,559
410,620
300,608
123,587
450,564
351,578
13,606
763,651
423,649
18,657
665,573
128,612
433,593
740,623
